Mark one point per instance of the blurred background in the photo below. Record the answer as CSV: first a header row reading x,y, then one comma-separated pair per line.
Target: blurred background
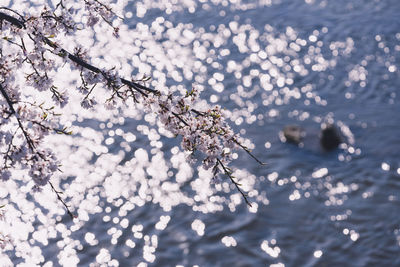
x,y
269,64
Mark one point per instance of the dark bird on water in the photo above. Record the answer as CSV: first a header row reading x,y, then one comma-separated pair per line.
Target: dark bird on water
x,y
330,138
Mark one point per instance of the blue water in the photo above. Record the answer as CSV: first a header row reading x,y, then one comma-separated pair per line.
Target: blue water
x,y
354,226
338,208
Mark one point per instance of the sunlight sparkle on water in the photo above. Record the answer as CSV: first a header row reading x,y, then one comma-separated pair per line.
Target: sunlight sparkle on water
x,y
229,241
270,248
198,226
318,253
320,173
385,166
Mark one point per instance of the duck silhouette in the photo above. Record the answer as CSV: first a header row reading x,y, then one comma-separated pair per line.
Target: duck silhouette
x,y
329,136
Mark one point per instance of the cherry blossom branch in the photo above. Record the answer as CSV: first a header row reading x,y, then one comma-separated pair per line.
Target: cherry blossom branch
x,y
30,142
56,130
12,20
138,87
8,100
246,149
62,52
13,112
203,131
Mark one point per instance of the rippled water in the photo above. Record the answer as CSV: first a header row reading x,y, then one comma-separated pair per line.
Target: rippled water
x,y
270,63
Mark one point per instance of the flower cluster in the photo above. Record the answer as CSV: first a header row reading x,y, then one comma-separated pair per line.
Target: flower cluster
x,y
4,238
29,44
204,131
97,10
4,241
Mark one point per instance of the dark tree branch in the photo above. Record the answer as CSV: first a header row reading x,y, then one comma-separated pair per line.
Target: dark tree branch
x,y
8,100
62,201
248,152
16,22
20,24
13,112
229,174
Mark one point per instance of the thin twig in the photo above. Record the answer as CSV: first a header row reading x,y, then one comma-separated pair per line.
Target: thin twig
x,y
13,112
248,152
229,174
62,201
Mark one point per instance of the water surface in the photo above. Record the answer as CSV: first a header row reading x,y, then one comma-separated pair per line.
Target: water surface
x,y
270,64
